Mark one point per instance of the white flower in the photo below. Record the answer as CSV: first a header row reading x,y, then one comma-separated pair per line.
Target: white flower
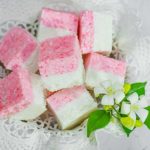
x,y
113,93
135,107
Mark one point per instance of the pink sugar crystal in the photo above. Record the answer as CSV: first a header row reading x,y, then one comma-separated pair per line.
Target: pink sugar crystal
x,y
15,92
60,62
56,19
16,47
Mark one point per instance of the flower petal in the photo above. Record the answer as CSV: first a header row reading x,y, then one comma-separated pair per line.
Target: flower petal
x,y
119,97
142,113
99,90
133,98
106,84
118,87
128,122
132,115
107,100
142,102
125,108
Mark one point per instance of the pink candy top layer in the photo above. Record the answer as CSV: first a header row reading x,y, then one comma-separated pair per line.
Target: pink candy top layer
x,y
16,47
86,31
63,97
101,63
55,19
15,92
59,55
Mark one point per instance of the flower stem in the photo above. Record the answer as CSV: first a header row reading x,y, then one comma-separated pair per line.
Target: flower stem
x,y
116,112
115,116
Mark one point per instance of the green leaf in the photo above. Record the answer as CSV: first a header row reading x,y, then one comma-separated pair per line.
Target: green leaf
x,y
148,108
139,88
127,131
147,121
97,120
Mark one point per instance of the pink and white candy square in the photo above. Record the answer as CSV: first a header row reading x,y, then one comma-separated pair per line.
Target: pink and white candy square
x,y
60,63
21,95
18,47
101,68
15,92
38,105
71,106
95,32
55,23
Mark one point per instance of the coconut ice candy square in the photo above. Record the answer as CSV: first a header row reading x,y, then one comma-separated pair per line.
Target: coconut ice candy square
x,y
100,68
19,48
38,104
55,23
60,63
71,106
15,92
95,32
22,95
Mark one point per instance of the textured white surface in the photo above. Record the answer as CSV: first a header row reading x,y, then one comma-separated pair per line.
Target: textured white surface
x,y
45,32
26,136
94,78
103,32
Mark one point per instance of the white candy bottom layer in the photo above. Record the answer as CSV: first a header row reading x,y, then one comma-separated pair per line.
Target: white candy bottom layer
x,y
48,32
95,78
75,111
32,63
38,106
102,32
66,80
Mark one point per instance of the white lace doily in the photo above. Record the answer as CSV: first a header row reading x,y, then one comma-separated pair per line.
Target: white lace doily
x,y
42,133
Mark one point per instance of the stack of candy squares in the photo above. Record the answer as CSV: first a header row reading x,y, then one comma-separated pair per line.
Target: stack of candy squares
x,y
55,63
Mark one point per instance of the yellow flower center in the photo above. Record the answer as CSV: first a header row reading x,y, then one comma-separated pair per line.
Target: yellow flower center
x,y
110,91
107,107
127,88
134,107
138,123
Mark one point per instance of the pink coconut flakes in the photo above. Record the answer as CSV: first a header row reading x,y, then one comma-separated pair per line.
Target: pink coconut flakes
x,y
106,64
57,19
15,92
58,55
61,98
86,31
16,47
